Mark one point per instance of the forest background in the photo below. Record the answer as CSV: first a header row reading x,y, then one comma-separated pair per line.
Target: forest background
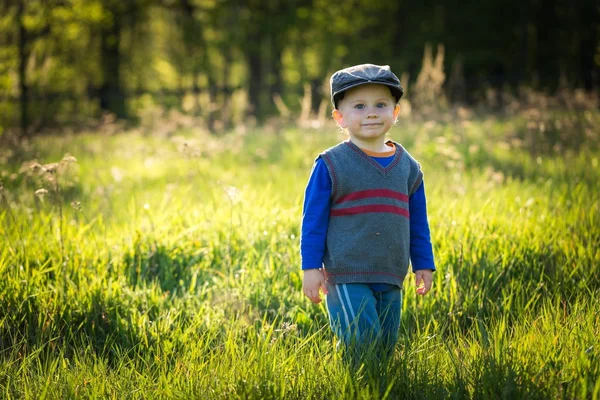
x,y
70,63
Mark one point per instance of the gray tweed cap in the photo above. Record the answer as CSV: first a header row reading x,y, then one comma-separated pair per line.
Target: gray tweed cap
x,y
357,75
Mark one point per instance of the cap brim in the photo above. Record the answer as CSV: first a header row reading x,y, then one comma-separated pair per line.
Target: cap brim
x,y
395,88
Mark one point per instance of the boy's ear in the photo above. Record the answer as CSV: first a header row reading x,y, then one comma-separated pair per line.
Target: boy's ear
x,y
396,111
337,115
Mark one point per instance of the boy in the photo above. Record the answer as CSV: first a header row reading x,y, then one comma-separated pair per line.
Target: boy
x,y
365,214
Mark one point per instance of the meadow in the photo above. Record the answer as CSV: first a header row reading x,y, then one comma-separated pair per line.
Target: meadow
x,y
139,265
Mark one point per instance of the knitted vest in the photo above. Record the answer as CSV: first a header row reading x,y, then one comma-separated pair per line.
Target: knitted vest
x,y
368,238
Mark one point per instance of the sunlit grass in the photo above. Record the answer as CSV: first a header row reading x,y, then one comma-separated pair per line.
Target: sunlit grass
x,y
175,272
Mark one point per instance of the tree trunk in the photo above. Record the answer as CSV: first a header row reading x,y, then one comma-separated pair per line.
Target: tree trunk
x,y
523,67
277,45
547,61
226,91
111,94
255,75
589,32
23,88
194,44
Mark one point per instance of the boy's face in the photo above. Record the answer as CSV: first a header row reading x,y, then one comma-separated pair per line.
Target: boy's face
x,y
367,112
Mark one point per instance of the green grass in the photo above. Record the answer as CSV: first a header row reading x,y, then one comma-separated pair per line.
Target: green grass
x,y
178,276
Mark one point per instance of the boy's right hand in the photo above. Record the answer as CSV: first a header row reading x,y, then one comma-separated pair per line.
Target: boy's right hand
x,y
314,279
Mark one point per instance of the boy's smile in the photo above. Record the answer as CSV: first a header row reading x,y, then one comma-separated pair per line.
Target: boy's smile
x,y
367,112
373,124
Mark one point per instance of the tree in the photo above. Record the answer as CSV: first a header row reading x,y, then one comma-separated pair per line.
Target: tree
x,y
23,55
117,17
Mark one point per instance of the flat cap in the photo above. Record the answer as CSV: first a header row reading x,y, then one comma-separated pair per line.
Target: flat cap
x,y
357,75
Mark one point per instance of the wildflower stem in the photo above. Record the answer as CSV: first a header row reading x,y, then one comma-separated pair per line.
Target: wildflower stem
x,y
60,226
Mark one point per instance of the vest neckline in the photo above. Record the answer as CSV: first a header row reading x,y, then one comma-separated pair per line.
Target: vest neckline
x,y
379,167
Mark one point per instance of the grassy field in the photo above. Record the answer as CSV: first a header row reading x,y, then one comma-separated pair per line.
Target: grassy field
x,y
168,267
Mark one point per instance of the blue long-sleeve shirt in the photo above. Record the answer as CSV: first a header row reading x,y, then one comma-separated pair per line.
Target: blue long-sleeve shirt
x,y
315,220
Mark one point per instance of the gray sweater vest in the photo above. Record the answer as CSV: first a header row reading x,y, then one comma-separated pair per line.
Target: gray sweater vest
x,y
368,238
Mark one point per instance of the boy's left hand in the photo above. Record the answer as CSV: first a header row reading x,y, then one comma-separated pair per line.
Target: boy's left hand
x,y
423,280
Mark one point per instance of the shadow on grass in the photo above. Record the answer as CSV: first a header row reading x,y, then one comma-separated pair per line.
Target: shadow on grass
x,y
489,377
170,267
491,286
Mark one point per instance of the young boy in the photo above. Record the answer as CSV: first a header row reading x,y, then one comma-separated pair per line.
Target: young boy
x,y
365,214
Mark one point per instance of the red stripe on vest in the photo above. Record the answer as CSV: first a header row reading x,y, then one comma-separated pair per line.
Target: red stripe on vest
x,y
365,194
362,273
377,208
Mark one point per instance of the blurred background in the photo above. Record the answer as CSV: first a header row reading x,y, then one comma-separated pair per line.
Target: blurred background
x,y
225,64
153,161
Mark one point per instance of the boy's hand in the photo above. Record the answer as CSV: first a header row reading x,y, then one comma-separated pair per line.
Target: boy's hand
x,y
313,280
423,280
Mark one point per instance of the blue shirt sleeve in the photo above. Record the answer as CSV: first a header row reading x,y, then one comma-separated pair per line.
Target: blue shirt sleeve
x,y
315,216
421,252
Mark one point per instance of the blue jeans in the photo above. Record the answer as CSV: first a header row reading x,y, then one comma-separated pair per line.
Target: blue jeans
x,y
365,315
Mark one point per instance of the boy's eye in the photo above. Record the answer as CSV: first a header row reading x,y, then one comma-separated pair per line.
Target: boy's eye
x,y
381,105
359,106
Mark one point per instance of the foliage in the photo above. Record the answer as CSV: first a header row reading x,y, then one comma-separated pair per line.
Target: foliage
x,y
65,63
